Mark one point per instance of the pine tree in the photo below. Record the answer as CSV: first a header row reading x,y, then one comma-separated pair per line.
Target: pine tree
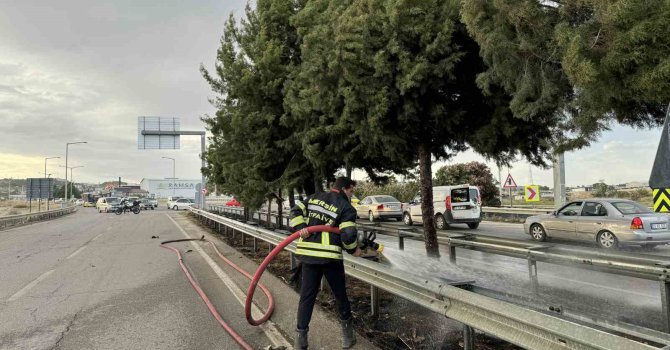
x,y
587,63
412,67
251,152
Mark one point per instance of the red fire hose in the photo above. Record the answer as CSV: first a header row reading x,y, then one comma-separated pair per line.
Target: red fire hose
x,y
254,280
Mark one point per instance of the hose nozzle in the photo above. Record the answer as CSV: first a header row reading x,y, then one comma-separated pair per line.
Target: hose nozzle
x,y
378,247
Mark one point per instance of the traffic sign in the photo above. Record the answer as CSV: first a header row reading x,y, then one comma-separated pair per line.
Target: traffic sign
x,y
531,193
509,182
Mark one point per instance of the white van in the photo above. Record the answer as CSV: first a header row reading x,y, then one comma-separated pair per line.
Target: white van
x,y
460,204
106,203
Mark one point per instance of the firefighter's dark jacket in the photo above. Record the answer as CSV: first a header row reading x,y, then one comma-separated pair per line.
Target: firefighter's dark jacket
x,y
327,208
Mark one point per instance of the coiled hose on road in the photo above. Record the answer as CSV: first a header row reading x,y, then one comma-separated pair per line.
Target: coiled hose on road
x,y
252,286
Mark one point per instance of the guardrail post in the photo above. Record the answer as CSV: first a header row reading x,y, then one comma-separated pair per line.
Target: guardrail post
x,y
244,239
292,260
255,247
452,253
401,242
665,304
374,301
468,338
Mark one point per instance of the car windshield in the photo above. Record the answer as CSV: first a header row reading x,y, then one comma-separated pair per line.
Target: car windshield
x,y
630,208
385,199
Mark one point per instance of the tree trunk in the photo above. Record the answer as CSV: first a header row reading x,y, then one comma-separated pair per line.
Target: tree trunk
x,y
280,204
268,217
348,170
291,198
308,186
426,179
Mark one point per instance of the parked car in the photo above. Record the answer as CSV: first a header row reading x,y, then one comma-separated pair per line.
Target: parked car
x,y
79,202
182,203
233,203
145,204
153,202
89,204
379,207
107,204
460,204
609,222
171,200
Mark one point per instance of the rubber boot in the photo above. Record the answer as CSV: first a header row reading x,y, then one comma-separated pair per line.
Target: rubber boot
x,y
348,335
300,342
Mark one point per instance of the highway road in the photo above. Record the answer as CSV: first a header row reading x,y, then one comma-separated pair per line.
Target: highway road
x,y
100,281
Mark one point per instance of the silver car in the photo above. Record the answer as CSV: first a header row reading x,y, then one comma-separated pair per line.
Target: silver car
x,y
608,222
379,207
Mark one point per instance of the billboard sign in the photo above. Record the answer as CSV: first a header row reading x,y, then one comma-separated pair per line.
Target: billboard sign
x,y
39,187
154,133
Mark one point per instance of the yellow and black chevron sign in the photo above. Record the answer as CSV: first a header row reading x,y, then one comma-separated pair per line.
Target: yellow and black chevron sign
x,y
661,200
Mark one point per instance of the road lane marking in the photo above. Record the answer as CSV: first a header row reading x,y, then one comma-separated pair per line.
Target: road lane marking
x,y
75,252
30,285
96,237
269,328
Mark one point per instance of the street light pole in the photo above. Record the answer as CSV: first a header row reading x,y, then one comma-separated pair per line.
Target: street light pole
x,y
173,175
45,164
71,177
67,145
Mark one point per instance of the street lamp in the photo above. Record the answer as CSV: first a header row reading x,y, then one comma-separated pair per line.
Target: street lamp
x,y
173,176
67,145
71,177
45,164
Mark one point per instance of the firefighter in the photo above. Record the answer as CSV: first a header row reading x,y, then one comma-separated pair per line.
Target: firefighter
x,y
320,254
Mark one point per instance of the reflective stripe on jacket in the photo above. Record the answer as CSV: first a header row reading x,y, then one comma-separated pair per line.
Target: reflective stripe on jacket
x,y
329,208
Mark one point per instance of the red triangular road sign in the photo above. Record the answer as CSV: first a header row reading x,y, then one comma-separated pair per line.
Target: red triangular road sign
x,y
509,182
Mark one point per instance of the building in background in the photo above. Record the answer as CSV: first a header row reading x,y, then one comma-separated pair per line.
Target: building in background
x,y
163,188
130,191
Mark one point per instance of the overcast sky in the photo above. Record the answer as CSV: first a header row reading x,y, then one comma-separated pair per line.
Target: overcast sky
x,y
84,70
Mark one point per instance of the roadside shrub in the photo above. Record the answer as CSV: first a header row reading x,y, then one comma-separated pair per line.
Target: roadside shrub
x,y
20,206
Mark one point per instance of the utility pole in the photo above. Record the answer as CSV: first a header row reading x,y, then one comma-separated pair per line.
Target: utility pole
x,y
559,180
173,175
67,146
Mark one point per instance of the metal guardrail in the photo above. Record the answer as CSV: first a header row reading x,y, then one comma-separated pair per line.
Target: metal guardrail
x,y
516,324
652,268
649,267
24,219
